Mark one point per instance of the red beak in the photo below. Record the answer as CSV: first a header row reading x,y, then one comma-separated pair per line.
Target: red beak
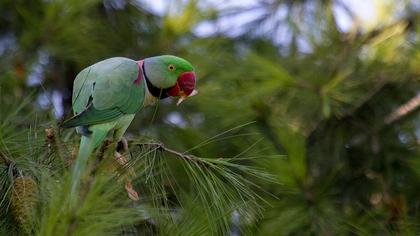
x,y
184,86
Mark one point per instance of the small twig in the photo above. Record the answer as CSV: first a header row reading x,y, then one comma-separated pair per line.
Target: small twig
x,y
10,164
5,159
403,110
161,146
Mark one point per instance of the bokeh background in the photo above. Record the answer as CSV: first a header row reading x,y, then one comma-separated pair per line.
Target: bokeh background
x,y
325,92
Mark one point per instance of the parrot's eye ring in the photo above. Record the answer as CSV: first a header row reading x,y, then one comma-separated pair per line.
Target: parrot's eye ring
x,y
171,67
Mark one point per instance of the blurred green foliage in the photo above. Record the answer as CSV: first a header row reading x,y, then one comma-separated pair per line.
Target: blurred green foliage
x,y
313,113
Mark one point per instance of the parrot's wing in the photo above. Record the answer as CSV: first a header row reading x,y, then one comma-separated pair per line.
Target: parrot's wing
x,y
106,91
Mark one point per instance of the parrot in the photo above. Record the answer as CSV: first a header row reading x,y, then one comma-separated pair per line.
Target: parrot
x,y
107,95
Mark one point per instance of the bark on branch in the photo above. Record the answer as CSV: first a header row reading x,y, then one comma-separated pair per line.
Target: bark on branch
x,y
161,146
403,110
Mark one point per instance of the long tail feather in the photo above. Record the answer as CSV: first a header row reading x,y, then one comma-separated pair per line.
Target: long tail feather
x,y
86,148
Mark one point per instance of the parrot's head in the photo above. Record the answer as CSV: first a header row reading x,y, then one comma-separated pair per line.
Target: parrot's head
x,y
169,76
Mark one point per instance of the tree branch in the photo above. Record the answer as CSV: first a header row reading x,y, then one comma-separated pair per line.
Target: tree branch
x,y
403,110
161,146
5,159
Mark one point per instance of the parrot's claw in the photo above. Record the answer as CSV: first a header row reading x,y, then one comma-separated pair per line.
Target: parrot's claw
x,y
120,158
123,145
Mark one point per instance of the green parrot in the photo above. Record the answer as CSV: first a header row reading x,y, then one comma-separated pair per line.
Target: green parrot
x,y
107,95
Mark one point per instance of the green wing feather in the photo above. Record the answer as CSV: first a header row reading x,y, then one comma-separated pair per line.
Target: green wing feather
x,y
92,116
106,91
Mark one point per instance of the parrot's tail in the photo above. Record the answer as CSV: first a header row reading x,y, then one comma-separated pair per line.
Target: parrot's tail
x,y
86,148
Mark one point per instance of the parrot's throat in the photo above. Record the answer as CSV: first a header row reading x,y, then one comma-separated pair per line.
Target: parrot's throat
x,y
155,91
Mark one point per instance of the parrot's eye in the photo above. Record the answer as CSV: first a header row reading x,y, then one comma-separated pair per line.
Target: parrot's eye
x,y
171,67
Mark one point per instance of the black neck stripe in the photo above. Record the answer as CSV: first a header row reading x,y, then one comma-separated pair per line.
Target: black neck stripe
x,y
155,91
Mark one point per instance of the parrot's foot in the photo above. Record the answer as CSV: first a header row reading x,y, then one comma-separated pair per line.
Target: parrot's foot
x,y
123,145
132,194
107,142
120,158
103,149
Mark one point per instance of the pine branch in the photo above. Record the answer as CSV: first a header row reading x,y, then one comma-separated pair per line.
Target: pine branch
x,y
403,110
5,159
220,185
161,146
